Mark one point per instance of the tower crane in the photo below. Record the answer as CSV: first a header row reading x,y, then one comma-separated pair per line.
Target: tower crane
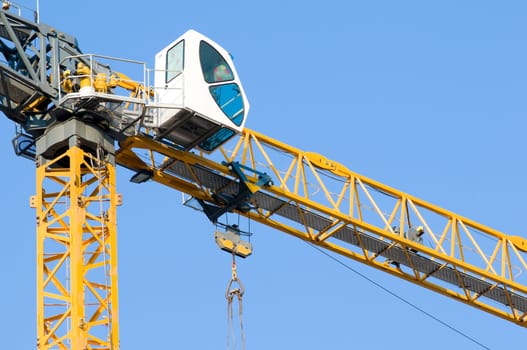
x,y
182,125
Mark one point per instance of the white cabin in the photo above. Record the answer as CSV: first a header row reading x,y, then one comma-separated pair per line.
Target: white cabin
x,y
199,99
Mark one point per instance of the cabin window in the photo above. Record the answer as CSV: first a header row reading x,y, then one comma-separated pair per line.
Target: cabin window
x,y
214,67
229,98
226,93
217,139
175,57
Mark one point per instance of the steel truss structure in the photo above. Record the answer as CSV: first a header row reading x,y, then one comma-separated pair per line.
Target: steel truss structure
x,y
326,204
76,253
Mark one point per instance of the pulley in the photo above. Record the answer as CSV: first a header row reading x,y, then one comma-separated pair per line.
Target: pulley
x,y
231,241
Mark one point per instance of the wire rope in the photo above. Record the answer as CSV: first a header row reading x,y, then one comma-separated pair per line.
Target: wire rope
x,y
395,295
230,293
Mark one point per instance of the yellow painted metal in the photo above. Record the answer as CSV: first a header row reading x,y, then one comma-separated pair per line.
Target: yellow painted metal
x,y
327,191
232,243
77,292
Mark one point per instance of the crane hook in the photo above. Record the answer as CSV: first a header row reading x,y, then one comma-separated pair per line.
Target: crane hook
x,y
229,295
240,290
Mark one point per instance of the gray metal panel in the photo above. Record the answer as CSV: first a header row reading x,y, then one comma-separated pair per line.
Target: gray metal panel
x,y
210,179
265,201
347,234
303,216
21,35
16,89
435,269
519,302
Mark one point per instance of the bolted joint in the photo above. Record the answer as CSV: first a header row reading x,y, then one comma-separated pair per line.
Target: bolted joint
x,y
80,202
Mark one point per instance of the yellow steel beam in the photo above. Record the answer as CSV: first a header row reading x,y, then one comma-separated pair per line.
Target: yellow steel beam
x,y
75,206
325,203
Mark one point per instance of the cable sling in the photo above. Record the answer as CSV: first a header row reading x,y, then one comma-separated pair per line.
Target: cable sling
x,y
230,293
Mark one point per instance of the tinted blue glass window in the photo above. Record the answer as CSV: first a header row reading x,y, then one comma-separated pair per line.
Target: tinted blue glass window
x,y
229,99
214,67
217,139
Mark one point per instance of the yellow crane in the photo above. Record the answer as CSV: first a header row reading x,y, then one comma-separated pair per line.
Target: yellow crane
x,y
182,125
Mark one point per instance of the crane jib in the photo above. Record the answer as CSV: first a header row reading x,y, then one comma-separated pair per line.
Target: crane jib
x,y
353,237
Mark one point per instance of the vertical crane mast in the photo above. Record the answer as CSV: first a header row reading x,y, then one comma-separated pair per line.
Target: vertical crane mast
x,y
76,204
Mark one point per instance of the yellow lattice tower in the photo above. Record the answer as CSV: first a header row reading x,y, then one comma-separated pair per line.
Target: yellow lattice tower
x,y
77,298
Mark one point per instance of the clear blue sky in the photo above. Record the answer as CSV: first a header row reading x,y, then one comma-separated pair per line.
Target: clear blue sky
x,y
425,96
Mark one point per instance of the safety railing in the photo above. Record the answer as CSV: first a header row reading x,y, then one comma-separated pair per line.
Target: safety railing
x,y
90,75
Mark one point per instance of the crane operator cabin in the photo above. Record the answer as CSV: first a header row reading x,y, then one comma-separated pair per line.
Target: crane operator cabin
x,y
199,97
